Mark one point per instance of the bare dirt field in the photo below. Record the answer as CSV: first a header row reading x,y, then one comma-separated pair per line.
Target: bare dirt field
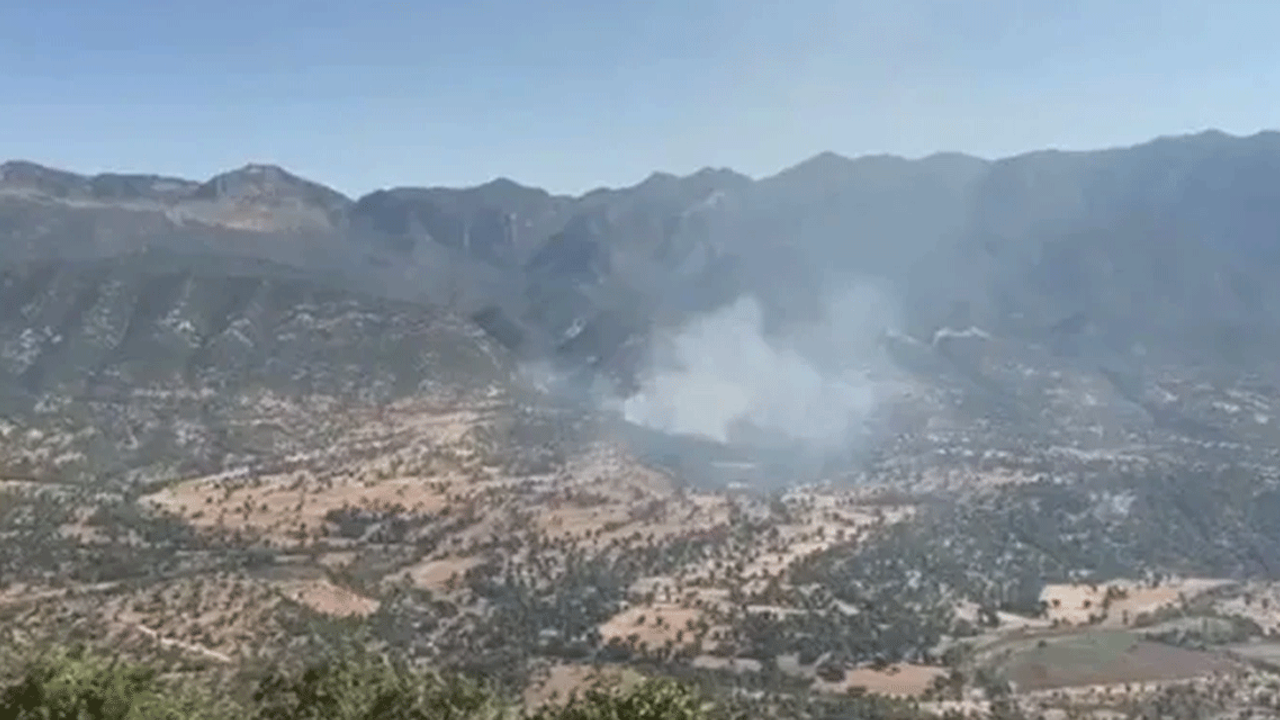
x,y
1101,657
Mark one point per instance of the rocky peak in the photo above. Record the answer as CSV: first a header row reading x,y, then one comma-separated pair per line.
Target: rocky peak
x,y
495,222
26,176
268,184
115,186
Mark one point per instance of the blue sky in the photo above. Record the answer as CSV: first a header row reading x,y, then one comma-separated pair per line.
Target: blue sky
x,y
574,94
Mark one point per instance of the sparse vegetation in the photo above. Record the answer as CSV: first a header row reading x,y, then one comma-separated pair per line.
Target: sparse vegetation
x,y
73,684
238,478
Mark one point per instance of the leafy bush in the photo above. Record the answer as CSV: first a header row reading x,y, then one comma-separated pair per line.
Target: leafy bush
x,y
365,686
657,699
74,685
352,685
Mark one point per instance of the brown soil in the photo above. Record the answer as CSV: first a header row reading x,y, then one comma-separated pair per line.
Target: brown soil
x,y
1141,662
328,599
905,680
557,684
661,623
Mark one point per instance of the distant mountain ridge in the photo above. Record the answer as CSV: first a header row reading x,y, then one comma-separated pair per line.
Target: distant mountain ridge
x,y
1170,242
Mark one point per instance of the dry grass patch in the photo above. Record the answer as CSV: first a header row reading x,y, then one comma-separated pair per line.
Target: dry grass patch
x,y
607,466
674,518
819,523
223,617
655,625
215,616
583,521
448,426
1118,604
336,560
18,594
1258,601
326,598
605,496
290,509
968,610
727,664
436,575
903,680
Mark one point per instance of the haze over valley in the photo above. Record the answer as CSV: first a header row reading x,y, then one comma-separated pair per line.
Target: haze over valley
x,y
897,437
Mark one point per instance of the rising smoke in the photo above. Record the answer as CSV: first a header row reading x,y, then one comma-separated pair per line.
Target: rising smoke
x,y
722,376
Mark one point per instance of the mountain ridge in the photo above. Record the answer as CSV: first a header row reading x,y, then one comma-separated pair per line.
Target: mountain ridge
x,y
1013,245
18,165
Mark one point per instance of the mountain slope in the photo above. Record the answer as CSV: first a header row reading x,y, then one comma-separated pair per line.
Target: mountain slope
x,y
1129,237
1060,366
1164,247
115,365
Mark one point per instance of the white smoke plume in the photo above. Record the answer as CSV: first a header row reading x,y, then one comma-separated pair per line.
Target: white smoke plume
x,y
721,374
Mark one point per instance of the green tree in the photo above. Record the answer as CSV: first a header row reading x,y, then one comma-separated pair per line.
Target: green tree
x,y
367,686
75,685
657,699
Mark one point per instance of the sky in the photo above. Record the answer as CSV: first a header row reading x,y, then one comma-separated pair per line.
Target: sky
x,y
575,94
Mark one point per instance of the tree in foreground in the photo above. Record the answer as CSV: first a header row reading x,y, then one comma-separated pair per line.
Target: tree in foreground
x,y
656,699
365,686
75,685
350,685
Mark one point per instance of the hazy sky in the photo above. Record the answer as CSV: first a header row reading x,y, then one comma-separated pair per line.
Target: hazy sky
x,y
572,94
